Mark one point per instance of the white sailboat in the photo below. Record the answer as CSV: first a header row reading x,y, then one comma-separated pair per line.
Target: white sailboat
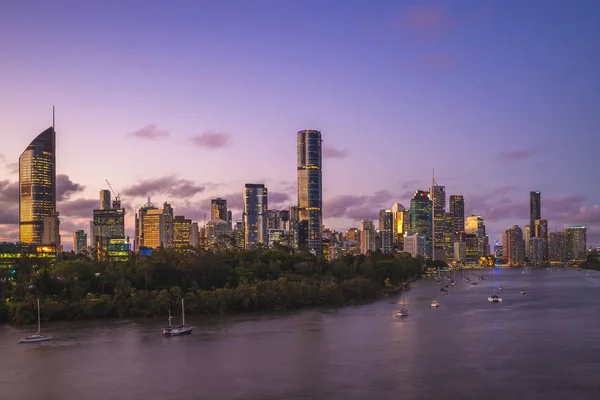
x,y
180,330
36,337
404,311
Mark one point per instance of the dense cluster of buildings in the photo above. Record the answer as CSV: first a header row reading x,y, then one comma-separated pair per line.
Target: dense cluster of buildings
x,y
430,227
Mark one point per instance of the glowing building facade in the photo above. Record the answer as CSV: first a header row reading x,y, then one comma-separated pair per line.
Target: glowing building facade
x,y
420,219
182,229
310,191
255,215
37,186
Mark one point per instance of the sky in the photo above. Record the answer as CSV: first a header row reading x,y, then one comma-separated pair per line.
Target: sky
x,y
183,101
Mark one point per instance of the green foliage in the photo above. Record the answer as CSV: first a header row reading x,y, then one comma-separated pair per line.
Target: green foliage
x,y
211,282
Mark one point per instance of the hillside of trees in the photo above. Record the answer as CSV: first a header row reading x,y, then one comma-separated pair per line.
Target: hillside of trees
x,y
222,282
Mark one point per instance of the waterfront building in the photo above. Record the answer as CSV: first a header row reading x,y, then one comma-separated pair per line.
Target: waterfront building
x,y
51,233
37,185
218,209
194,235
386,230
310,190
557,247
471,248
512,242
254,216
367,236
536,255
449,237
105,200
541,231
79,241
460,252
437,195
420,218
535,210
527,235
576,243
182,228
475,226
415,245
457,209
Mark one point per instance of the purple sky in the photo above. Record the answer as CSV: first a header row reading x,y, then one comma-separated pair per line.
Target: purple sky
x,y
188,100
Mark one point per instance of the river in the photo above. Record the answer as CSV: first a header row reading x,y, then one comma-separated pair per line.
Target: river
x,y
541,345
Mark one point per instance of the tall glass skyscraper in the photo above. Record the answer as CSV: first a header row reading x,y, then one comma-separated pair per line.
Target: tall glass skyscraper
x,y
37,186
310,191
420,218
535,209
457,209
255,215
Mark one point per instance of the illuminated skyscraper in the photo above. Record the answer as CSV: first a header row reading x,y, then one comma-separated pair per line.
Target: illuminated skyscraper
x,y
51,233
576,242
255,215
557,247
310,190
139,224
105,200
420,218
367,236
37,185
541,231
512,246
167,225
153,229
182,229
535,210
386,230
194,235
401,224
437,195
79,241
457,209
218,209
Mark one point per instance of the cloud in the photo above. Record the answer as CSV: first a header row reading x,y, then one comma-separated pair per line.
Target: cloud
x,y
514,155
78,208
9,191
278,199
332,152
13,168
149,132
356,207
428,20
9,233
211,140
170,185
65,187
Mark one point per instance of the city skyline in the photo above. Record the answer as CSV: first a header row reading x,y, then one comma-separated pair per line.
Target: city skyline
x,y
381,103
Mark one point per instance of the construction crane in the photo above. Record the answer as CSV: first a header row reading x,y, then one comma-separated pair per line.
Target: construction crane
x,y
117,201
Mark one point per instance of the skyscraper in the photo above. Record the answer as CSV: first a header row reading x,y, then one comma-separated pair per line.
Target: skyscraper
x,y
167,225
79,241
37,185
401,224
153,228
535,210
310,190
182,229
557,247
420,218
367,236
512,242
51,234
457,209
437,194
386,230
139,224
255,215
576,242
541,231
194,235
218,209
105,200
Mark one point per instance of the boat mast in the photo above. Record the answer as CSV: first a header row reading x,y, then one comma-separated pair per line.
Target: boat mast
x,y
38,306
182,312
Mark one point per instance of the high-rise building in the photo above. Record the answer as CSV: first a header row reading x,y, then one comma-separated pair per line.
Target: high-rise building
x,y
401,224
168,225
457,209
449,236
276,236
367,236
541,231
437,194
557,247
139,225
51,234
194,235
37,185
310,190
255,215
79,241
238,234
182,229
512,242
415,245
386,230
105,200
474,225
153,228
576,243
471,248
536,250
218,232
535,210
218,209
108,224
460,252
420,218
527,235
294,226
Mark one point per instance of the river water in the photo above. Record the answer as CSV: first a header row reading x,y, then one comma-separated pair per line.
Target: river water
x,y
541,345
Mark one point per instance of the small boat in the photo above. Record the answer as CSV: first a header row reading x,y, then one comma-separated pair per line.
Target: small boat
x,y
522,291
404,311
180,330
435,303
36,337
494,299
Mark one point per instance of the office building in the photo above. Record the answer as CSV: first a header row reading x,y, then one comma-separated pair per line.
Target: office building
x,y
420,218
194,235
182,229
460,252
238,234
79,241
218,233
168,225
51,233
218,209
536,252
541,231
386,230
576,243
255,215
401,224
512,242
105,200
471,248
415,245
474,225
276,236
310,190
37,185
153,228
457,209
557,247
527,235
535,210
118,249
367,236
139,224
437,195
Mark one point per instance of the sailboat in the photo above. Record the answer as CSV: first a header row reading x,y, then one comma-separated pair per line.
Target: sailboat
x,y
404,311
180,330
36,337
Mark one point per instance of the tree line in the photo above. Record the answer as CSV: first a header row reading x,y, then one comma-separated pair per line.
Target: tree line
x,y
78,287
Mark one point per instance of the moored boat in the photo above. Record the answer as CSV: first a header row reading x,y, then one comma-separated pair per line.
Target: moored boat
x,y
36,337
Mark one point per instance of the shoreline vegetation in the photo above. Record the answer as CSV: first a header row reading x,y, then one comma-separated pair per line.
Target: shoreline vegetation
x,y
211,282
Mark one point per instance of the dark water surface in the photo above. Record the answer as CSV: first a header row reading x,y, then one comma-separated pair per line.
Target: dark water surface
x,y
542,345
